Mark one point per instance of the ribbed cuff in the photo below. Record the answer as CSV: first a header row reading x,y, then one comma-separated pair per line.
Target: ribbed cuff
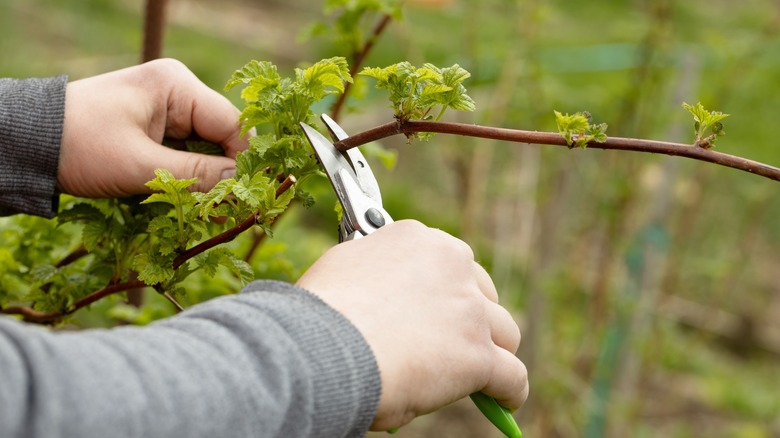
x,y
347,387
31,117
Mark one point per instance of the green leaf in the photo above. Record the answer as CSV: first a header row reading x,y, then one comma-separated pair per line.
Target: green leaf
x,y
237,266
216,257
43,273
207,201
266,227
414,92
172,191
430,92
167,232
262,89
253,190
261,144
208,262
278,204
153,268
577,130
574,123
427,73
707,124
324,77
251,116
378,73
80,212
253,70
248,163
305,198
94,234
166,182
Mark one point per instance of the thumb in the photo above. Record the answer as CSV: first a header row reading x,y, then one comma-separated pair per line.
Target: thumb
x,y
208,169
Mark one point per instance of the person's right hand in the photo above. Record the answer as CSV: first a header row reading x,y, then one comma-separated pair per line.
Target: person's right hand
x,y
429,313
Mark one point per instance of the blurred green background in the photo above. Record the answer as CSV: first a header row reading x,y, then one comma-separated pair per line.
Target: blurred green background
x,y
646,286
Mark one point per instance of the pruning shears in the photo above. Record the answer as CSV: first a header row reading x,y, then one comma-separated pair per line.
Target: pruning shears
x,y
358,192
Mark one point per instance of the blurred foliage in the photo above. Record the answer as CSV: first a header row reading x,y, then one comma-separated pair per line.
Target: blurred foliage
x,y
645,285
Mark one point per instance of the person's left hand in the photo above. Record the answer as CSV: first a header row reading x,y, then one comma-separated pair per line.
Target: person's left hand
x,y
115,122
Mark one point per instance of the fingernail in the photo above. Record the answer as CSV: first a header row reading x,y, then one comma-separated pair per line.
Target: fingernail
x,y
227,173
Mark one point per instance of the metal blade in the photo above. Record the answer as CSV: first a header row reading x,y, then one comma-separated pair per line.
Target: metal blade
x,y
335,130
365,177
332,160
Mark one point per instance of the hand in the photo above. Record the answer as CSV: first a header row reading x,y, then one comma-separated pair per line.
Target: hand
x,y
429,313
114,124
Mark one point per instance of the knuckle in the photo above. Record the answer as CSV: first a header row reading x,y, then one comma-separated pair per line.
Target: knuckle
x,y
411,226
165,66
166,73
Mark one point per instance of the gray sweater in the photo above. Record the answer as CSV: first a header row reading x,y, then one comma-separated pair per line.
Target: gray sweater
x,y
273,361
31,114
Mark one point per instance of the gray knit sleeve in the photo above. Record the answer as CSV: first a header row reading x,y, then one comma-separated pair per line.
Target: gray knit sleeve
x,y
31,116
272,362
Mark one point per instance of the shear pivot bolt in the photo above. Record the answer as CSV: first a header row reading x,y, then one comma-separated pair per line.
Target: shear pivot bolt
x,y
375,218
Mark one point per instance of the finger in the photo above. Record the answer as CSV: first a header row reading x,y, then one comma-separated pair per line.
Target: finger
x,y
485,283
208,169
503,328
193,106
216,119
509,381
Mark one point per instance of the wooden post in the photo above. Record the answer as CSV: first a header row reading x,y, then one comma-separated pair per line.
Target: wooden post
x,y
154,29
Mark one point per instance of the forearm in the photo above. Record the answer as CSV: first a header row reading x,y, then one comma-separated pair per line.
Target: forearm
x,y
276,362
31,118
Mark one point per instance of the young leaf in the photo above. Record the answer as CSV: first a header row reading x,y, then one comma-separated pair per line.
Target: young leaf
x,y
167,233
261,144
275,205
153,268
253,190
577,130
707,124
94,234
323,78
172,191
259,75
238,267
208,201
415,92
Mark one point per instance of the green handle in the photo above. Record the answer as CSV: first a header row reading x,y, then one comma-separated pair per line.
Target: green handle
x,y
497,414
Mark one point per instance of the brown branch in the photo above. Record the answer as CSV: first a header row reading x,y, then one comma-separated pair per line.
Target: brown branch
x,y
357,61
28,313
31,315
231,233
219,239
73,256
550,138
